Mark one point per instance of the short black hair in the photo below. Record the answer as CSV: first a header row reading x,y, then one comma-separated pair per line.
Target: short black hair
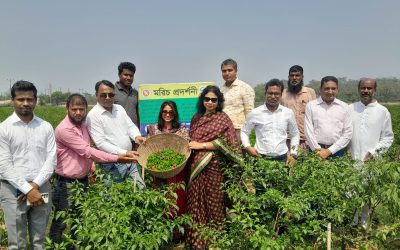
x,y
296,68
365,79
329,78
214,89
230,61
126,65
77,99
105,82
274,82
23,86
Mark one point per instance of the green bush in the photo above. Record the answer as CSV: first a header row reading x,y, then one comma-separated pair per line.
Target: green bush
x,y
121,216
298,203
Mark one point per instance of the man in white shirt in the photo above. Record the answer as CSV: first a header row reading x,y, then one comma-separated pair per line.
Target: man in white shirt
x,y
112,131
372,132
239,96
327,122
272,122
372,124
27,160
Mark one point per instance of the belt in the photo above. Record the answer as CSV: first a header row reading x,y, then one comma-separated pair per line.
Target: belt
x,y
66,179
276,158
324,146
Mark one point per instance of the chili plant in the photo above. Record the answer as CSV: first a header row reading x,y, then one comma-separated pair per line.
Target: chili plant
x,y
121,216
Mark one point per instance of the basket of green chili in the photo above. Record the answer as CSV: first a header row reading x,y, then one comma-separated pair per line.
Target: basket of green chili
x,y
164,155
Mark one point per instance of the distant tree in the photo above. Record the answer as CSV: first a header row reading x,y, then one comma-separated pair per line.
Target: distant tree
x,y
91,99
388,90
59,97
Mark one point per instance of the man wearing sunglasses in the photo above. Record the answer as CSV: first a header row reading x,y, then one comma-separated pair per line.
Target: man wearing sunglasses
x,y
239,96
125,94
112,131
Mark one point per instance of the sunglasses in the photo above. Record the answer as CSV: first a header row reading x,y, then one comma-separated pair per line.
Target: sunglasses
x,y
208,99
104,95
165,112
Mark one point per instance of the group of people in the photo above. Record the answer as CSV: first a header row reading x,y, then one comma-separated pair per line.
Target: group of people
x,y
289,119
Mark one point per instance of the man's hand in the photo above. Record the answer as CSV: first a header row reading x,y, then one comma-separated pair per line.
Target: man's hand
x,y
323,153
22,197
129,157
291,161
132,154
34,196
34,185
252,151
140,139
368,157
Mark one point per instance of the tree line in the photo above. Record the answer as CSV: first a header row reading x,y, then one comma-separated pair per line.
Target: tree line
x,y
388,90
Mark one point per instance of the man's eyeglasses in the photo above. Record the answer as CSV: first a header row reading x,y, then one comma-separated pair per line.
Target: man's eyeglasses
x,y
165,112
274,94
208,99
104,95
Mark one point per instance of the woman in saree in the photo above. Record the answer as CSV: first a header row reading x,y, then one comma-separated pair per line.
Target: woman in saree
x,y
168,122
212,136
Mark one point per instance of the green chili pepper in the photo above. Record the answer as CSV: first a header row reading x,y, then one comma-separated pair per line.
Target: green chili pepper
x,y
165,160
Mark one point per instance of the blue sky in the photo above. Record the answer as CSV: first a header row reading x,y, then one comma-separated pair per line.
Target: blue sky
x,y
73,44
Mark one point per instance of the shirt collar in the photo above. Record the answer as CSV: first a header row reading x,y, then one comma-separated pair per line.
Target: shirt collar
x,y
118,85
102,109
70,124
303,90
372,104
320,101
235,83
279,109
15,119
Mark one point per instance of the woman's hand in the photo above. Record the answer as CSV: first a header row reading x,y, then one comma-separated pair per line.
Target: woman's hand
x,y
197,145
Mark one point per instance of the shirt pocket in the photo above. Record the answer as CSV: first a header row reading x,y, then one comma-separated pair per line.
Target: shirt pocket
x,y
302,106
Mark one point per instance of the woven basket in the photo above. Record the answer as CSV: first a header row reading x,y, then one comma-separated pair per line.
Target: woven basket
x,y
157,143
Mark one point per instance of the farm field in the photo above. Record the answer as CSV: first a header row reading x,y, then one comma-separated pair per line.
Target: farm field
x,y
292,213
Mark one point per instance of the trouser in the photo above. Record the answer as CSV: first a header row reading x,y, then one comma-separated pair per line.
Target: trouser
x,y
363,221
118,172
62,202
20,218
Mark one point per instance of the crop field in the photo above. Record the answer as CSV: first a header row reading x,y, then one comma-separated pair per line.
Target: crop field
x,y
292,213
